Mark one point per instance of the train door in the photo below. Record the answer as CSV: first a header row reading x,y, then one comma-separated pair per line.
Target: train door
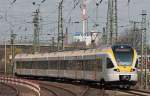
x,y
104,63
98,67
89,64
90,69
70,67
87,70
61,69
78,69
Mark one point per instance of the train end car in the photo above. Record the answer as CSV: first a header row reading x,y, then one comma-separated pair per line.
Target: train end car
x,y
115,65
121,66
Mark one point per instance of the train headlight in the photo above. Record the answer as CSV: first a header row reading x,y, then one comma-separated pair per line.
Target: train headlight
x,y
117,70
132,70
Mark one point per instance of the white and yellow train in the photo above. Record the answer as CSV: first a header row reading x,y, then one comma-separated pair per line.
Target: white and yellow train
x,y
115,65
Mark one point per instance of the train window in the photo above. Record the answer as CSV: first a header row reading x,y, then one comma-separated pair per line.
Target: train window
x,y
39,64
99,65
26,65
42,64
73,65
18,64
52,64
95,66
140,58
34,65
92,65
62,65
49,64
109,63
83,63
70,65
78,65
136,64
89,65
86,63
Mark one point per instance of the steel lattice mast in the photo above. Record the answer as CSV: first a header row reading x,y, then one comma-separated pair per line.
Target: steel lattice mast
x,y
60,43
112,22
144,47
36,19
84,17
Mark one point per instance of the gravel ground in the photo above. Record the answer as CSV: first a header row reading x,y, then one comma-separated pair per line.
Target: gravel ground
x,y
6,90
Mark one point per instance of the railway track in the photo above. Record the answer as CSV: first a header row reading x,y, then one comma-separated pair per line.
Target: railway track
x,y
47,92
21,87
136,92
62,89
84,93
8,90
94,92
56,90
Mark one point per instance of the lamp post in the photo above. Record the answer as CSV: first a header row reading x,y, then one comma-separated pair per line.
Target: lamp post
x,y
49,43
5,58
12,50
52,43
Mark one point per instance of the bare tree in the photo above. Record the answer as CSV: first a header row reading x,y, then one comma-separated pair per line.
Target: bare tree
x,y
132,37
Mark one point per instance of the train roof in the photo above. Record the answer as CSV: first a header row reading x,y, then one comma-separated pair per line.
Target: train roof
x,y
79,53
62,54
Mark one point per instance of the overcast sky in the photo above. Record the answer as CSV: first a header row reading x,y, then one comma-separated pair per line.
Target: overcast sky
x,y
18,16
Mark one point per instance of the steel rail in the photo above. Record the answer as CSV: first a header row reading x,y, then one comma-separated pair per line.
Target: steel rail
x,y
85,91
54,93
58,87
136,92
13,88
25,83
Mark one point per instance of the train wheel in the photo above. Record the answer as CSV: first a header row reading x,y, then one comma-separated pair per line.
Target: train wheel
x,y
102,83
125,86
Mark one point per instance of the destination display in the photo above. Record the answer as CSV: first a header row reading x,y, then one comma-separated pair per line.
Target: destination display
x,y
122,50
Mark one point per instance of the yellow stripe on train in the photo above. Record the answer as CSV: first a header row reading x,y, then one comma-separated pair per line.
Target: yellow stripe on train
x,y
125,68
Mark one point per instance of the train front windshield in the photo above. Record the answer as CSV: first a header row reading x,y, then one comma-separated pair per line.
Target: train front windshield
x,y
124,56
